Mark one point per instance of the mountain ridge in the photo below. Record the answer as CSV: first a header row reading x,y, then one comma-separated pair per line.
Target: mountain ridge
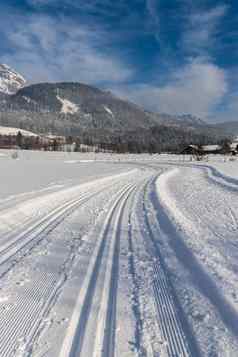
x,y
10,80
78,109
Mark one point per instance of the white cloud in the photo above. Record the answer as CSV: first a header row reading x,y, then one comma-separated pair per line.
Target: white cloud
x,y
46,49
197,88
201,29
103,7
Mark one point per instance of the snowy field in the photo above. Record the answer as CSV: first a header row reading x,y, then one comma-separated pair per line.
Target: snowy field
x,y
118,255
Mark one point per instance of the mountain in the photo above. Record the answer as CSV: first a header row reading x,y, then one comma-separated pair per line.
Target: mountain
x,y
94,115
89,108
190,120
229,128
73,105
186,120
10,81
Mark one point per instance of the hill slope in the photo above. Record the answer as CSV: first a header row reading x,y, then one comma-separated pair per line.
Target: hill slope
x,y
10,80
229,128
95,115
84,106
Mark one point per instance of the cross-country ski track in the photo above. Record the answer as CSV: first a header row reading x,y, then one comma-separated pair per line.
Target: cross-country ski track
x,y
83,273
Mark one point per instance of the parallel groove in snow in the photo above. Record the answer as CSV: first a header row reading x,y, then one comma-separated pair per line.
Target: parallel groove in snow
x,y
45,225
168,318
29,308
105,344
74,340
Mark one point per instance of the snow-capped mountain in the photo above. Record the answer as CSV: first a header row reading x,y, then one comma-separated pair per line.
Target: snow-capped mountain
x,y
189,119
77,109
10,80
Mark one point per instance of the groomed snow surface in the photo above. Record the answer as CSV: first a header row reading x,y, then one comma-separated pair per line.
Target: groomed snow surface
x,y
118,255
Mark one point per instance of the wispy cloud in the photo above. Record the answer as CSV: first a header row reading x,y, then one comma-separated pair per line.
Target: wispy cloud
x,y
48,49
102,7
201,29
151,6
111,44
197,88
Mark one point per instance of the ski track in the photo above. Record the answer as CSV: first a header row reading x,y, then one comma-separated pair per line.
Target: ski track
x,y
24,317
92,327
33,235
169,313
104,339
206,246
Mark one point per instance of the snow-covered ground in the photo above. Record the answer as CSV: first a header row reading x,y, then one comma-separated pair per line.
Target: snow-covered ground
x,y
67,106
117,255
6,130
227,168
201,250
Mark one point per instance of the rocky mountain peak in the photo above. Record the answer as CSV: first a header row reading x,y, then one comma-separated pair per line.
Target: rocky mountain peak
x,y
10,80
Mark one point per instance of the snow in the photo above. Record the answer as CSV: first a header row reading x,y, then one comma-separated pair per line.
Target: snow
x,y
5,130
228,169
211,147
108,110
126,255
29,100
10,80
205,217
67,106
15,181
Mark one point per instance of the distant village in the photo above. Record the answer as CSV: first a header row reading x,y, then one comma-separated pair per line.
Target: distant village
x,y
227,148
15,138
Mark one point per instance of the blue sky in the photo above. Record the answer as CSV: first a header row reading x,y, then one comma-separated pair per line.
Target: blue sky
x,y
173,56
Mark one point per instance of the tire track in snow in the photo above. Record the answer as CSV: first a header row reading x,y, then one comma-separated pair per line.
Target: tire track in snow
x,y
103,341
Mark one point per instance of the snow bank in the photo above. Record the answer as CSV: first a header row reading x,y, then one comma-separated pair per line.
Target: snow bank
x,y
228,169
204,242
169,204
225,175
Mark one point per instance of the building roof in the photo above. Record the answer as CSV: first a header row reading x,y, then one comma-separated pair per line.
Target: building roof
x,y
211,147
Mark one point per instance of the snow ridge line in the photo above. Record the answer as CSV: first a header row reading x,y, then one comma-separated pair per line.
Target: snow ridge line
x,y
227,180
45,225
214,175
165,302
73,341
220,179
